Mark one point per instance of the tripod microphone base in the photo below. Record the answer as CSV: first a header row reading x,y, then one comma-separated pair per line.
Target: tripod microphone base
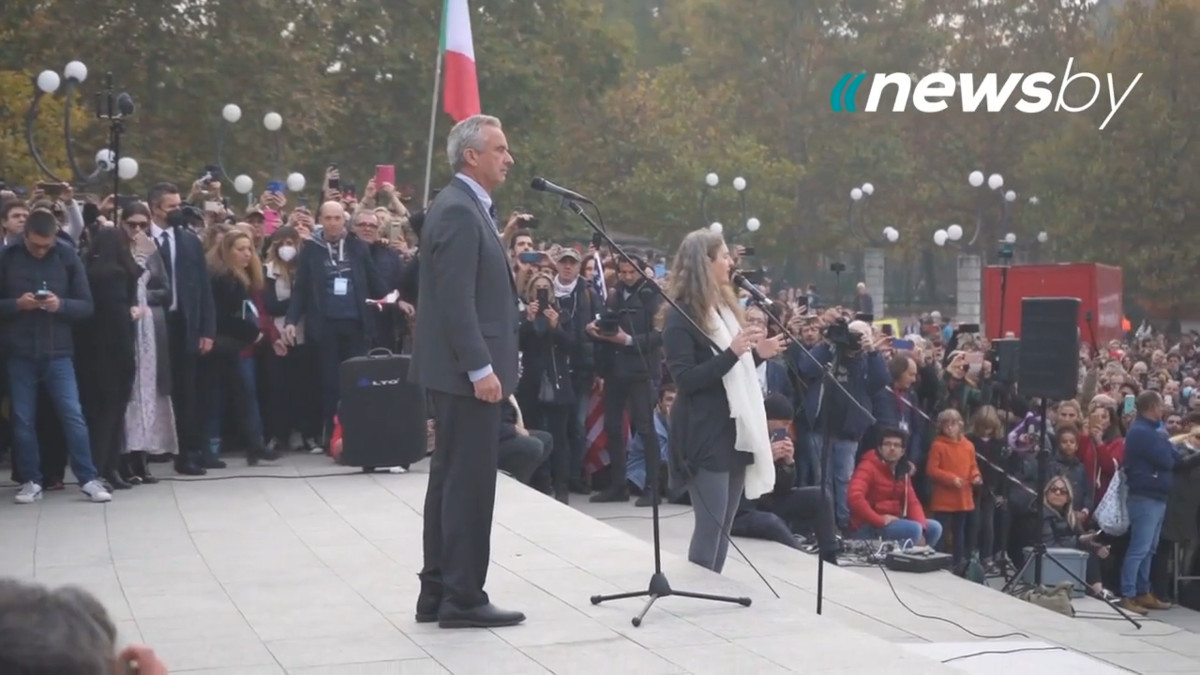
x,y
661,588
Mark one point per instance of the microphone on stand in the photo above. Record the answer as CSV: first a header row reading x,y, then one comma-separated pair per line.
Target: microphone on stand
x,y
542,185
754,291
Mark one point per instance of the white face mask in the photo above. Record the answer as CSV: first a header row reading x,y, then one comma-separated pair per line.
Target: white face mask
x,y
286,253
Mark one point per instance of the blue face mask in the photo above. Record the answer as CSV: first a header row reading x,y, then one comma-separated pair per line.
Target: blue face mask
x,y
1187,392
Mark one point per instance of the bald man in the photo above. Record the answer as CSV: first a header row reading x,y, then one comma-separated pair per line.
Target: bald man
x,y
335,277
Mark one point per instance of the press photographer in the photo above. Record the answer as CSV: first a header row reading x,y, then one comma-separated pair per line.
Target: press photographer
x,y
860,369
628,355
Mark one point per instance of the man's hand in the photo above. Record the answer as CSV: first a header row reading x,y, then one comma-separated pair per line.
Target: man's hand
x,y
206,345
620,338
406,308
135,313
488,389
51,303
289,334
28,303
141,660
783,450
888,520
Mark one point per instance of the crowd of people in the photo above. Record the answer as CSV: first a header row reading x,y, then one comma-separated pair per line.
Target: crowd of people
x,y
170,330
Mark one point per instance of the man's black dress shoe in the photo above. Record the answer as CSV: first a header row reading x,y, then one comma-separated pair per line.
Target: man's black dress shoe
x,y
484,616
427,608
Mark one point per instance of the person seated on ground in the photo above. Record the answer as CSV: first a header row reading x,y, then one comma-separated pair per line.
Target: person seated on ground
x,y
637,469
883,503
776,516
524,453
1062,527
65,631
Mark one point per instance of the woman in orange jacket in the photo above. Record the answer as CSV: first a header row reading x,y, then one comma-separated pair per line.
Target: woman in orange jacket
x,y
953,473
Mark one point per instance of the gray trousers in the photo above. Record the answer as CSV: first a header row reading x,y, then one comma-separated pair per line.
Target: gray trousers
x,y
715,499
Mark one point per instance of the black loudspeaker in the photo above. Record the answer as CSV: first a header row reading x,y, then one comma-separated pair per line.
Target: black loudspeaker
x,y
1049,364
1008,356
382,413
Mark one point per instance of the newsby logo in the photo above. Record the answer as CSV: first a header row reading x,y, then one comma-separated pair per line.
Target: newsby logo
x,y
990,93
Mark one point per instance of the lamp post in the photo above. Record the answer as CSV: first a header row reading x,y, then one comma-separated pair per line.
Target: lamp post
x,y
242,183
109,106
874,262
711,181
968,274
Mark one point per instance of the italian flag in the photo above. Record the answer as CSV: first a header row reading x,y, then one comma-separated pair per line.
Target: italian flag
x,y
461,87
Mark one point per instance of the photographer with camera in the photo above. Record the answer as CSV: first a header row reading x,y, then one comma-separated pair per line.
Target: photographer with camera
x,y
628,356
851,352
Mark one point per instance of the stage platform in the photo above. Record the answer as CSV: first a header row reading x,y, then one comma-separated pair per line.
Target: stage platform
x,y
283,570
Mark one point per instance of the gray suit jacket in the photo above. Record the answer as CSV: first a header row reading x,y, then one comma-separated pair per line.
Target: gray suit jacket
x,y
467,315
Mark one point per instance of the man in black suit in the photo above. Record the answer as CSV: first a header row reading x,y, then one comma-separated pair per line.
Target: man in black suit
x,y
191,323
465,355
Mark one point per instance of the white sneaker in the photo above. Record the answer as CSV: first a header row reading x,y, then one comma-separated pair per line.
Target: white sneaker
x,y
28,494
96,492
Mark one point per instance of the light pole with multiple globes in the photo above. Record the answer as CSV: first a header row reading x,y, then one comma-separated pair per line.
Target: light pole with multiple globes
x,y
711,181
874,260
244,184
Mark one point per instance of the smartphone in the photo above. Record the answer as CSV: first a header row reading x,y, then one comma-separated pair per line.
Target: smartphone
x,y
53,190
270,221
779,435
530,257
41,295
968,328
384,173
275,186
1168,401
214,206
1129,405
596,241
543,299
903,345
887,330
974,362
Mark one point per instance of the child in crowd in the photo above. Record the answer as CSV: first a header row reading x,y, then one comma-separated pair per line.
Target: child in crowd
x,y
953,472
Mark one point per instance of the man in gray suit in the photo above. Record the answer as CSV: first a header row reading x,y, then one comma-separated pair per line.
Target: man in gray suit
x,y
465,355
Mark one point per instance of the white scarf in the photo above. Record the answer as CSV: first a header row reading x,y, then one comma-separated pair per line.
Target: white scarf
x,y
562,290
746,407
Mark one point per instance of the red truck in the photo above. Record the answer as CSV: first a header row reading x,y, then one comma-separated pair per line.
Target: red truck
x,y
1098,287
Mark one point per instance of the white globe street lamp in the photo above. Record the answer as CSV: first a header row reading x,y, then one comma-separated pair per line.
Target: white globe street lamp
x,y
127,168
273,121
716,228
891,234
1010,238
711,180
75,70
48,81
954,232
243,184
856,194
104,159
753,224
868,189
739,183
975,179
995,181
939,237
1043,237
295,182
232,113
1010,196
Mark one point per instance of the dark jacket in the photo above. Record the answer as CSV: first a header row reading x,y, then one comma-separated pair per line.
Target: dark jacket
x,y
581,307
1056,531
193,288
1149,460
779,382
641,360
39,334
1071,468
311,285
866,376
546,352
390,323
702,432
237,327
899,410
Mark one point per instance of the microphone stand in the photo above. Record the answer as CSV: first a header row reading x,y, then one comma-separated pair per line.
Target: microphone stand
x,y
659,586
827,378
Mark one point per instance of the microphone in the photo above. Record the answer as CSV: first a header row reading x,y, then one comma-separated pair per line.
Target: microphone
x,y
754,291
542,185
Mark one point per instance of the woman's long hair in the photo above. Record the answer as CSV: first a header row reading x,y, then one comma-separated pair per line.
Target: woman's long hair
x,y
692,285
530,292
220,261
1066,511
109,253
284,270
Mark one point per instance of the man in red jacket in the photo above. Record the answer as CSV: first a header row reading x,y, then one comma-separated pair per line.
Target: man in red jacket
x,y
883,504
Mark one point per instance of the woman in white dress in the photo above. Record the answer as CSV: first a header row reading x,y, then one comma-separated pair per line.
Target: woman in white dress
x,y
149,419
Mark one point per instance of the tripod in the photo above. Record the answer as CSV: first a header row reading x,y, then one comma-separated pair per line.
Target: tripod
x,y
659,586
1039,553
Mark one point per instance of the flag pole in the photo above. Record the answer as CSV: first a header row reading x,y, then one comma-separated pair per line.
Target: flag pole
x,y
437,82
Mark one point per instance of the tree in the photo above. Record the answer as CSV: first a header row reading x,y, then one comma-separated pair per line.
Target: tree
x,y
1125,195
17,166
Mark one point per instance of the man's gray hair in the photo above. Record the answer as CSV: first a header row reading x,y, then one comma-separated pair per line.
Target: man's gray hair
x,y
467,135
56,632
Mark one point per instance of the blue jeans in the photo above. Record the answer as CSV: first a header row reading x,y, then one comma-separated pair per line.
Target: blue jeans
x,y
903,531
247,365
1145,525
58,375
841,468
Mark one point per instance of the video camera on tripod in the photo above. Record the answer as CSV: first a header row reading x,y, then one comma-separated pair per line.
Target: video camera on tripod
x,y
839,335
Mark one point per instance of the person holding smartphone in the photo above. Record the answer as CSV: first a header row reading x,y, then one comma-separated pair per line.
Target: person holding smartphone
x,y
545,393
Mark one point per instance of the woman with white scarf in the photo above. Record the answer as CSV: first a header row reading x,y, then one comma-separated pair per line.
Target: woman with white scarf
x,y
719,439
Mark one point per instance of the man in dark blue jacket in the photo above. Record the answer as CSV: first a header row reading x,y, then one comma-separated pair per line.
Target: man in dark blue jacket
x,y
1149,462
43,291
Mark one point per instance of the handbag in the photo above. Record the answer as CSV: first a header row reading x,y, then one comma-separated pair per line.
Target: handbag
x,y
1113,512
548,389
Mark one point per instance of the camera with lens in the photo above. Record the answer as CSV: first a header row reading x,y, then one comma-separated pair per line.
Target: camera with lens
x,y
839,334
608,323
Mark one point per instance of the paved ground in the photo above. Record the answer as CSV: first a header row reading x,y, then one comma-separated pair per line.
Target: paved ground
x,y
311,574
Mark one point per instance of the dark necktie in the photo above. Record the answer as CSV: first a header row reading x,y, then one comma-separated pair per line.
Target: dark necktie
x,y
492,213
164,249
